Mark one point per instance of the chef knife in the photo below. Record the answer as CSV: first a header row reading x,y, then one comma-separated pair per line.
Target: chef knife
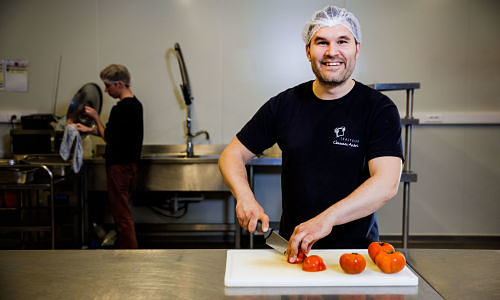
x,y
273,239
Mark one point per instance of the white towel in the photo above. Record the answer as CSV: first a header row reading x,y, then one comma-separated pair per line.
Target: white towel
x,y
70,134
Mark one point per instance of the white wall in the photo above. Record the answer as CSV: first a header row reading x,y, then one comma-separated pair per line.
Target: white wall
x,y
239,53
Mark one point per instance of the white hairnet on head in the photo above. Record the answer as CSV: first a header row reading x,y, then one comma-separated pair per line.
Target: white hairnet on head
x,y
329,17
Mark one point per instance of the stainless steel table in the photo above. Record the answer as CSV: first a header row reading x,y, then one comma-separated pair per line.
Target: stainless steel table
x,y
459,274
199,274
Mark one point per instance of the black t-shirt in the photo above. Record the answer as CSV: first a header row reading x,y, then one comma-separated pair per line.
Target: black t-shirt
x,y
124,132
326,146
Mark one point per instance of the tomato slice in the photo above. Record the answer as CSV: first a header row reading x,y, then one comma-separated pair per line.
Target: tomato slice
x,y
313,263
300,257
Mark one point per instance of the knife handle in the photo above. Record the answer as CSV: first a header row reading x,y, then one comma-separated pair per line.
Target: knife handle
x,y
259,227
259,230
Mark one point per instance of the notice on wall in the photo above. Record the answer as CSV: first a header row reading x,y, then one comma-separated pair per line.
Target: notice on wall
x,y
2,76
15,75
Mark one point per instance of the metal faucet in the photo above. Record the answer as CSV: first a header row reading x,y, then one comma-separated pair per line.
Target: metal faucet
x,y
188,99
189,143
190,136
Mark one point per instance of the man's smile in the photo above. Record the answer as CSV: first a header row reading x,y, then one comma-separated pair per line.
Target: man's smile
x,y
331,64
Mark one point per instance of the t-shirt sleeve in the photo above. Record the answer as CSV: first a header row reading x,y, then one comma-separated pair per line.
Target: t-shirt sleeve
x,y
259,133
385,133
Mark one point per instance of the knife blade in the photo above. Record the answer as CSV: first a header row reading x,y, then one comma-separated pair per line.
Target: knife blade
x,y
273,239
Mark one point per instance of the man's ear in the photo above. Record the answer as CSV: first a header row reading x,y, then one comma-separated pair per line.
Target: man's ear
x,y
358,49
308,53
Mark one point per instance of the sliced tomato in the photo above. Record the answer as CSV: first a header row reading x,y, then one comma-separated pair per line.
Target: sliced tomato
x,y
300,257
313,263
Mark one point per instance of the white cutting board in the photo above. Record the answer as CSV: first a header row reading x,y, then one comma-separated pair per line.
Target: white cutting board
x,y
253,268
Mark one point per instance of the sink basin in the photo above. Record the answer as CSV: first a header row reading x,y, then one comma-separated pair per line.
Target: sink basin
x,y
167,168
203,154
180,157
179,150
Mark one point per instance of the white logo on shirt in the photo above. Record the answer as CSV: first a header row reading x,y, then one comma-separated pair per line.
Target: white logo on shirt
x,y
344,141
339,131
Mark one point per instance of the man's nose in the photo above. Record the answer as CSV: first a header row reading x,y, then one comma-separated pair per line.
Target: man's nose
x,y
332,50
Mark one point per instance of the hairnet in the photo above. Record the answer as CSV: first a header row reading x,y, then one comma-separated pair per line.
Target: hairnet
x,y
329,17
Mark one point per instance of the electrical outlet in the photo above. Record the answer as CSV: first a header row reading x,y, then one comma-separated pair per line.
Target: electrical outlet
x,y
5,116
12,116
432,118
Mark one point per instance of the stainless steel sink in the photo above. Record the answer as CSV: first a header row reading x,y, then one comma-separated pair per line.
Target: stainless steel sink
x,y
203,153
167,168
174,156
179,150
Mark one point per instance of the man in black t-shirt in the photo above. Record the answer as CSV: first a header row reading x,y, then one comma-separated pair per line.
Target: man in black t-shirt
x,y
340,142
123,135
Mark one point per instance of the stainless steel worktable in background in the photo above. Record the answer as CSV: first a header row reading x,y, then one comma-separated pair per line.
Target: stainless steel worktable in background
x,y
199,274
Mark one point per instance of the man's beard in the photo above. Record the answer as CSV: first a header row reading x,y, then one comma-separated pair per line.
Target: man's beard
x,y
331,80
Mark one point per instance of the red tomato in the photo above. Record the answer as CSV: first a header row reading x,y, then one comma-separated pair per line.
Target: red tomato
x,y
313,263
390,261
375,247
352,263
300,257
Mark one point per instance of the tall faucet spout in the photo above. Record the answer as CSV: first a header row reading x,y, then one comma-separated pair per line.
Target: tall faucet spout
x,y
189,141
188,99
207,136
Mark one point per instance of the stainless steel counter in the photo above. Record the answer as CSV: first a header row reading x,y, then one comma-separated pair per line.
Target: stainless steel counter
x,y
459,274
199,274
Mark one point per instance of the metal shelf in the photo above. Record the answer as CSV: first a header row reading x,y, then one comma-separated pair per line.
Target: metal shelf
x,y
408,121
24,228
408,177
412,121
395,86
46,183
36,185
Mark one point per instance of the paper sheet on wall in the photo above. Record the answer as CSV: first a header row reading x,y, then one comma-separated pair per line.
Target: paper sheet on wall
x,y
2,75
16,75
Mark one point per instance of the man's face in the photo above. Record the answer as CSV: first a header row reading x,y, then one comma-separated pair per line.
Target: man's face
x,y
112,88
333,52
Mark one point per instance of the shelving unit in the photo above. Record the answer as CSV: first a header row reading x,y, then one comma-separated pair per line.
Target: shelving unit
x,y
45,183
46,212
407,176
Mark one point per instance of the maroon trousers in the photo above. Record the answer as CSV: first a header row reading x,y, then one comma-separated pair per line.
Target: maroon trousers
x,y
122,181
